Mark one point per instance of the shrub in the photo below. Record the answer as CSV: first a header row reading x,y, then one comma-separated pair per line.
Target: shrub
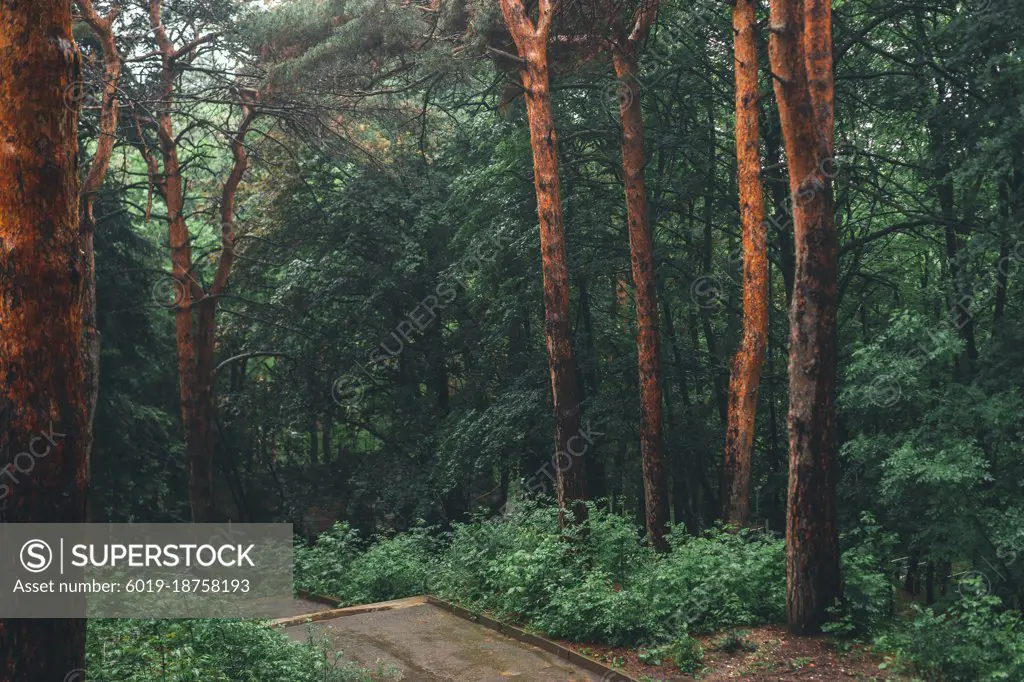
x,y
868,590
132,650
324,567
975,640
720,580
601,584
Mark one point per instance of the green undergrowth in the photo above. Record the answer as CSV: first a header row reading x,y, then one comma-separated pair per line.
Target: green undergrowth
x,y
211,650
600,584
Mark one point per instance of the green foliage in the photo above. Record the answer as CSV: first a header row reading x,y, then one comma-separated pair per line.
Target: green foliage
x,y
868,590
685,653
341,565
721,579
735,641
975,640
598,584
131,650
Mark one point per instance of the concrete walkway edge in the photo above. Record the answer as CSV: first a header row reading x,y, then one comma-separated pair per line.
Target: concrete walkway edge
x,y
577,659
518,634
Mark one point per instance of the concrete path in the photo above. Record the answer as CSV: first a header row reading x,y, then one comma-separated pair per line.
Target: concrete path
x,y
428,644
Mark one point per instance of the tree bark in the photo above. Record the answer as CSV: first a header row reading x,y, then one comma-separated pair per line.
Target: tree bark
x,y
194,307
797,50
103,27
655,479
41,278
746,369
531,42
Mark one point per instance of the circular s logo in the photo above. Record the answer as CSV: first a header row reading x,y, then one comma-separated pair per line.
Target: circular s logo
x,y
36,556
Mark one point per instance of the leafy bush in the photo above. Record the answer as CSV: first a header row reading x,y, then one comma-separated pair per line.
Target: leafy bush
x,y
720,579
868,590
605,585
131,650
324,567
975,640
342,565
685,653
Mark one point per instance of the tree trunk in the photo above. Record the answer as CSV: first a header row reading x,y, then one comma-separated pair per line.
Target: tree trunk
x,y
531,41
641,249
313,442
780,220
801,36
196,345
109,108
326,437
41,395
746,368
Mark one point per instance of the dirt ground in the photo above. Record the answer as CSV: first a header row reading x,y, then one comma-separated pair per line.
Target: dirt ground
x,y
772,655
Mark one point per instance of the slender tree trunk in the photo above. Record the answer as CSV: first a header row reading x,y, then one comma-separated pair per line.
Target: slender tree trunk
x,y
313,442
798,48
641,249
531,41
746,369
42,402
102,26
326,437
596,484
780,220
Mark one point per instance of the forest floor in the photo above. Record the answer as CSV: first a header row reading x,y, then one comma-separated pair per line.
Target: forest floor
x,y
773,654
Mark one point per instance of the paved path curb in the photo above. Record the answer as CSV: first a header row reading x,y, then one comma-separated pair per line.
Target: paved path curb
x,y
347,611
577,659
518,634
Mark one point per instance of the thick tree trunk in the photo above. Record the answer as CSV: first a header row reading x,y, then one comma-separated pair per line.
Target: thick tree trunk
x,y
746,369
641,248
812,539
531,42
43,436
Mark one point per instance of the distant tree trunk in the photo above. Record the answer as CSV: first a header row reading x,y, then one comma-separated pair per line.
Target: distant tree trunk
x,y
531,41
194,308
720,393
746,369
596,485
42,401
780,219
326,437
800,51
313,442
960,312
103,27
655,478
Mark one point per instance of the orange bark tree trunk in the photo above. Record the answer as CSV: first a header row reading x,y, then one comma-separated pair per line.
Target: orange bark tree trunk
x,y
746,368
42,405
800,51
103,27
656,498
195,307
531,42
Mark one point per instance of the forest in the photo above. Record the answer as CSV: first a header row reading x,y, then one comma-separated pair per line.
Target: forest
x,y
686,333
